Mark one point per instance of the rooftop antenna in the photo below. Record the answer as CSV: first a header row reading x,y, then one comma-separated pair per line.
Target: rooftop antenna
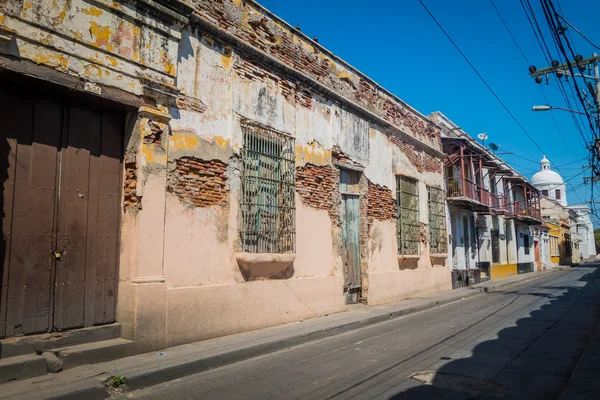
x,y
483,137
494,147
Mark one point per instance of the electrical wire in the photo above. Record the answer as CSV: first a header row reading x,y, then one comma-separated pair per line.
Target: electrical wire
x,y
548,7
485,82
579,32
539,36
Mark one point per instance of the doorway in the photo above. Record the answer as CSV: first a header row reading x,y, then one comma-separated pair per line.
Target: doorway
x,y
349,189
467,236
538,258
61,170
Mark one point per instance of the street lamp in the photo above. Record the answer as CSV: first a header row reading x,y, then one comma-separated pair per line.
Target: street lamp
x,y
549,108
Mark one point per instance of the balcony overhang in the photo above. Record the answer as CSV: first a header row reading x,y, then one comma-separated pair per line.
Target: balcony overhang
x,y
468,203
529,220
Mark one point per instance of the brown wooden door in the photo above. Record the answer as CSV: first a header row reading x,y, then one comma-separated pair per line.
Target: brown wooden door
x,y
61,204
538,259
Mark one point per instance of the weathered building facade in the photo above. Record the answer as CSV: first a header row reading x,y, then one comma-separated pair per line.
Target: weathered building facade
x,y
493,210
221,171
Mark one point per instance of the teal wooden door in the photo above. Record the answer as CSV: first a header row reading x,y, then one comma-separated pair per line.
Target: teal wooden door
x,y
351,234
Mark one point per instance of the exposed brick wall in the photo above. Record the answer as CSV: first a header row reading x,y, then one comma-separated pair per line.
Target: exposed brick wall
x,y
381,204
253,72
130,199
190,103
338,155
155,135
318,187
423,161
250,24
202,183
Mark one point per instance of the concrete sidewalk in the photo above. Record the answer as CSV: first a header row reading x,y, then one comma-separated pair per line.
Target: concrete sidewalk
x,y
87,382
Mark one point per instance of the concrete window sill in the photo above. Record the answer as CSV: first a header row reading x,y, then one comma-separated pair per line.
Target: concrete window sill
x,y
265,266
408,261
438,259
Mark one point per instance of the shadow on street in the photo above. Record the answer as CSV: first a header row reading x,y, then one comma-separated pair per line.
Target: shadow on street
x,y
502,368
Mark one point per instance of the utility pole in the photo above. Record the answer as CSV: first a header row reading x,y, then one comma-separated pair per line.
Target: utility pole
x,y
579,67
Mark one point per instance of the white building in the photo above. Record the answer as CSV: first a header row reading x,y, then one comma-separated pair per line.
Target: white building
x,y
585,229
550,183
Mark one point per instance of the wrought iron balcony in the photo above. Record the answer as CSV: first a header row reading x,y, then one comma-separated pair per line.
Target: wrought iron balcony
x,y
464,193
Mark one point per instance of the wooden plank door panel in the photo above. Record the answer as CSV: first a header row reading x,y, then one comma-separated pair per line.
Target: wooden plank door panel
x,y
34,128
83,139
14,121
352,218
103,223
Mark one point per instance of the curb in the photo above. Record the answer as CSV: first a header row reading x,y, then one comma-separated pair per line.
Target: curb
x,y
135,380
150,378
491,286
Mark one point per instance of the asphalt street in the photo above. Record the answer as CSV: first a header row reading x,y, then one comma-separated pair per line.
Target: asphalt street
x,y
521,342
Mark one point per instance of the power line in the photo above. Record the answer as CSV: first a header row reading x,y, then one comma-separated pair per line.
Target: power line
x,y
578,31
547,5
537,32
510,33
483,79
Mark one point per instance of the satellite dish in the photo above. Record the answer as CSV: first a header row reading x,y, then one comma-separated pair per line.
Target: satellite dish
x,y
482,136
493,146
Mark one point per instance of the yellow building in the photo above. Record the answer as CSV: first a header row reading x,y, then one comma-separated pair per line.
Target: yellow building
x,y
554,247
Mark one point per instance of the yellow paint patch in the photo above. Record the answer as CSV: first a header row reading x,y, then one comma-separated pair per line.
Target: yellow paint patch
x,y
52,60
237,3
60,18
91,70
226,61
184,141
168,66
343,74
2,19
77,35
101,34
372,133
93,11
223,143
137,33
313,153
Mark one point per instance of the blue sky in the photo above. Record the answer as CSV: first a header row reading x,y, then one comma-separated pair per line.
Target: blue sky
x,y
397,44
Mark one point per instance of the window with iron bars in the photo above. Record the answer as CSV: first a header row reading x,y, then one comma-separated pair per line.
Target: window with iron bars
x,y
437,220
407,201
267,209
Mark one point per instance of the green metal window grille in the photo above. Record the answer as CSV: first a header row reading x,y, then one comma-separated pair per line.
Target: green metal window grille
x,y
437,220
267,206
407,201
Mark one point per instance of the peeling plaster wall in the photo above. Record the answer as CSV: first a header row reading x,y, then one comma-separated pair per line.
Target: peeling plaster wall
x,y
201,242
106,42
198,76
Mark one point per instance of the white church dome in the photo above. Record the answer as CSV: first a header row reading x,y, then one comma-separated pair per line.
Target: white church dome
x,y
546,176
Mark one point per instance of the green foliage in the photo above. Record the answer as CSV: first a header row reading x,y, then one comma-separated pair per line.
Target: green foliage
x,y
117,381
597,238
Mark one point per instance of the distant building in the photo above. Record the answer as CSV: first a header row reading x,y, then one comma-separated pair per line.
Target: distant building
x,y
494,213
552,185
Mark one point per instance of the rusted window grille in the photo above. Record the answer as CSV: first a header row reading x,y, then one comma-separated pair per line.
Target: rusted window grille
x,y
407,200
267,209
437,220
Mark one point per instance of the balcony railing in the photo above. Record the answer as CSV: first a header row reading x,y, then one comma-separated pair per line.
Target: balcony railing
x,y
522,210
458,187
500,203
